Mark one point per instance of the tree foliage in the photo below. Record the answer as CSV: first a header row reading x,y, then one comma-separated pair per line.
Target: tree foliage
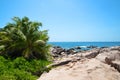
x,y
23,37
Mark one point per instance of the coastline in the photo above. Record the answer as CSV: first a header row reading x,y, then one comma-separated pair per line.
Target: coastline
x,y
68,45
93,64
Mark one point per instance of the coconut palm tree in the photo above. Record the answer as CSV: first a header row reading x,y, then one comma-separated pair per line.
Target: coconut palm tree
x,y
23,38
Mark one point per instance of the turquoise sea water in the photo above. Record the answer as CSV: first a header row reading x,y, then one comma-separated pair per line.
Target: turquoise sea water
x,y
84,44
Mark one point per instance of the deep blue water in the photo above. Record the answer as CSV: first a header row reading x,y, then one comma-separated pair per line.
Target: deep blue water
x,y
84,44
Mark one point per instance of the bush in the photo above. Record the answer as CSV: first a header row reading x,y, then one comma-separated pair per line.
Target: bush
x,y
21,69
7,77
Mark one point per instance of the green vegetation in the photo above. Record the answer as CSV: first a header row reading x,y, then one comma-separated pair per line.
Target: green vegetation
x,y
24,51
21,69
23,38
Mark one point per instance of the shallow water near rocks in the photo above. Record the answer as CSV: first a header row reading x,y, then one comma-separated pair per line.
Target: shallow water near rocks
x,y
84,45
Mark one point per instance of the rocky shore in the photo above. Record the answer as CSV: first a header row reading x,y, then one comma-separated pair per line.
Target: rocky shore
x,y
78,64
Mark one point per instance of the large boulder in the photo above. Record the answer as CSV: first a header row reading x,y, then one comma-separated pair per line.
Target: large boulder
x,y
91,46
56,51
86,69
112,53
114,60
95,64
111,56
91,53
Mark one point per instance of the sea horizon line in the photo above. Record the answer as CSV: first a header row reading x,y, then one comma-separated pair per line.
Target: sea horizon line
x,y
83,41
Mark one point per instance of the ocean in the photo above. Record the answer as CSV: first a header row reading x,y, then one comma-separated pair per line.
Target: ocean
x,y
68,45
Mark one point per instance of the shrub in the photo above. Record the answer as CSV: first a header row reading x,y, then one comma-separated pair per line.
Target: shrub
x,y
21,68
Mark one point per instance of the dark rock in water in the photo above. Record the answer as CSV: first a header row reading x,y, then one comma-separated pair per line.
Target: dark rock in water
x,y
70,51
56,47
104,47
91,46
57,50
73,50
78,47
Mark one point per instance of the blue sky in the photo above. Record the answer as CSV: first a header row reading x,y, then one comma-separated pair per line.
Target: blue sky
x,y
68,20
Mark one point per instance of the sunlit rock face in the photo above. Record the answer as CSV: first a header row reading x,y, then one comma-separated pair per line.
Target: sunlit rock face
x,y
95,64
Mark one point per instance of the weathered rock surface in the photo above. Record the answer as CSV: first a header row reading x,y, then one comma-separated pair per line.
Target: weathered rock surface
x,y
110,56
58,51
86,69
96,64
91,46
